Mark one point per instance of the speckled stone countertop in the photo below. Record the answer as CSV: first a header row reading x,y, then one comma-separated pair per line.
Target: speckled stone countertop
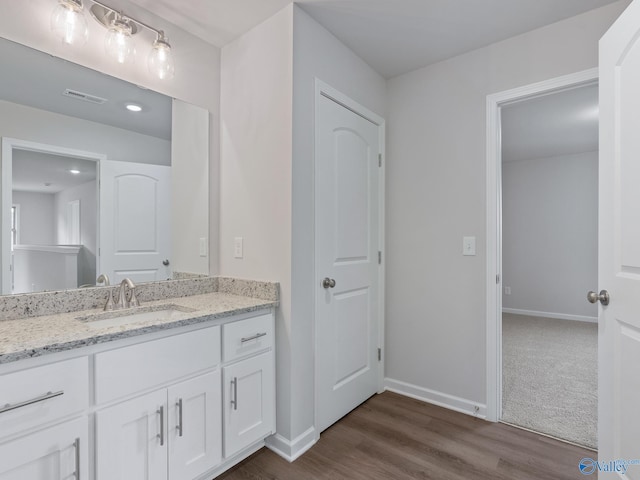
x,y
36,336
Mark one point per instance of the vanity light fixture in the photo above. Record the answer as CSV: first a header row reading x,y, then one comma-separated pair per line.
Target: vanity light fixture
x,y
132,107
69,23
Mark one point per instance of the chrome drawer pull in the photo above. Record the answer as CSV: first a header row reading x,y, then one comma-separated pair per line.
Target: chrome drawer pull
x,y
179,426
8,407
76,445
161,434
253,337
234,400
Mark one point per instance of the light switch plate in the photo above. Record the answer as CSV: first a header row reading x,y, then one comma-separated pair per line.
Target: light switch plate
x,y
468,246
237,247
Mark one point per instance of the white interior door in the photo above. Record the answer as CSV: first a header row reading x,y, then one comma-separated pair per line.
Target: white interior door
x,y
135,215
347,244
619,242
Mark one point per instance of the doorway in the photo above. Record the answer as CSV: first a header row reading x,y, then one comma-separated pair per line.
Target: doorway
x,y
520,301
348,254
549,260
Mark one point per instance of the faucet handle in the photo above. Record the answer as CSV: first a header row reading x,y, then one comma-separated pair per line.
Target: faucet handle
x,y
109,305
133,300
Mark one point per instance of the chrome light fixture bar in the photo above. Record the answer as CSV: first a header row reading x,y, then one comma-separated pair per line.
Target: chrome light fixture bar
x,y
69,23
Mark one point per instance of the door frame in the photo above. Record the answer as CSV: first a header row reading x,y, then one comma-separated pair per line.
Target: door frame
x,y
494,219
322,89
8,146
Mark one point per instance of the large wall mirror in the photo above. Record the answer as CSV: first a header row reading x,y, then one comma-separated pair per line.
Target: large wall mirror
x,y
87,165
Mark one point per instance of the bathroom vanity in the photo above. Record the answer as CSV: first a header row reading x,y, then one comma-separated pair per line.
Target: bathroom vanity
x,y
155,396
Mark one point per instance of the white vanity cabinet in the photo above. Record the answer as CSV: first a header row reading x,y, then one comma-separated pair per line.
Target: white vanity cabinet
x,y
173,432
249,383
43,422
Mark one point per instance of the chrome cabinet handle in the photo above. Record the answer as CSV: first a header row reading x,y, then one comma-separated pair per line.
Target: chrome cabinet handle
x,y
603,297
179,426
42,398
253,337
328,282
76,445
161,434
234,399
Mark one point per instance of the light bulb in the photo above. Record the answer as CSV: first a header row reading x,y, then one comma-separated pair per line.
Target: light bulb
x,y
118,42
69,23
160,60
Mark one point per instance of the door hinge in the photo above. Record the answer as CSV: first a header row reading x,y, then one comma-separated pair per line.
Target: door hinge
x,y
379,159
379,257
498,278
379,354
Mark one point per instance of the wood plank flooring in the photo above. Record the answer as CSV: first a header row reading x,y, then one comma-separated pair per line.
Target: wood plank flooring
x,y
395,437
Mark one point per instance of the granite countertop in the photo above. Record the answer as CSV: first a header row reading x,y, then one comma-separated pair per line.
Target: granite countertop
x,y
33,337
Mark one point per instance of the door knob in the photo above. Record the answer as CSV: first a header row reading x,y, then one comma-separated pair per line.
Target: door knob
x,y
328,282
603,297
165,263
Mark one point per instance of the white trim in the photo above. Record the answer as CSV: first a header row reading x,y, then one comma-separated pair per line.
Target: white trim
x,y
290,450
440,399
323,89
62,249
559,316
494,221
8,145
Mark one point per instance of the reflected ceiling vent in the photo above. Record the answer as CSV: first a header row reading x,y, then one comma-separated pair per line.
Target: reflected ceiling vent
x,y
85,97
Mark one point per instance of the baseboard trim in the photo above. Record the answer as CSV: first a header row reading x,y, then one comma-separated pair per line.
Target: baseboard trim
x,y
445,400
559,316
290,450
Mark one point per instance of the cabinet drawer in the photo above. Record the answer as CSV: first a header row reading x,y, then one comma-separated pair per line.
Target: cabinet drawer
x,y
248,336
128,370
39,395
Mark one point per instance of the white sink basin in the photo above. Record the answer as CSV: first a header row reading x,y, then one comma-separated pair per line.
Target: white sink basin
x,y
135,315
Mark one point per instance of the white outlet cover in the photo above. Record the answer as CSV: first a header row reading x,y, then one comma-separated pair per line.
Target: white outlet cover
x,y
468,246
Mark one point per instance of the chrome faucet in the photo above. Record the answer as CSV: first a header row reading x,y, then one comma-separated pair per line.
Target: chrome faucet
x,y
103,278
123,300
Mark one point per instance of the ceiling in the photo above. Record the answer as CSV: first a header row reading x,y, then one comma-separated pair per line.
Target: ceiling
x,y
22,82
392,36
562,123
31,171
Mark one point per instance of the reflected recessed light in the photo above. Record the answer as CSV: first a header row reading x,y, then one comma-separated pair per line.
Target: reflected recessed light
x,y
75,172
132,107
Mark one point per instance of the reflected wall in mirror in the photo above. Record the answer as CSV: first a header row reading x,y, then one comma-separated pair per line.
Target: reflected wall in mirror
x,y
61,229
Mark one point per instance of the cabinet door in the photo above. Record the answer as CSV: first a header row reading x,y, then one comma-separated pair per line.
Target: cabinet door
x,y
195,426
131,439
57,453
249,404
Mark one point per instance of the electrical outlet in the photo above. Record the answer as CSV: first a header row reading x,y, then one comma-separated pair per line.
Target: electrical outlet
x,y
203,246
237,247
468,246
507,290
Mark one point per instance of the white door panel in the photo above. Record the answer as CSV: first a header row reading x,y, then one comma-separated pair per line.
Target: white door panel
x,y
619,242
135,233
347,242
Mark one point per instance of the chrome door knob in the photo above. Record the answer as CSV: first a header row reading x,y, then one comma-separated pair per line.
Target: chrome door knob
x,y
328,282
603,297
165,263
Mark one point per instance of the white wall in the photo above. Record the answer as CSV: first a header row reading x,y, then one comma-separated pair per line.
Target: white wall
x,y
255,170
550,234
266,182
37,217
87,194
316,54
41,126
197,63
435,303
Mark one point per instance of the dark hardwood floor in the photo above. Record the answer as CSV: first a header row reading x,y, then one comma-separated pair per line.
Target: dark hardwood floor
x,y
395,437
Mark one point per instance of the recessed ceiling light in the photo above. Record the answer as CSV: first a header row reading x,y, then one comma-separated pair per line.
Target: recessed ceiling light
x,y
75,172
132,107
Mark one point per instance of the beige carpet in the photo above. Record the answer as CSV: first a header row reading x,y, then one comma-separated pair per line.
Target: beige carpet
x,y
550,382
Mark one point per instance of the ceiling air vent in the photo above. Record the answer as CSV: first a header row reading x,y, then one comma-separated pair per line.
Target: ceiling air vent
x,y
85,97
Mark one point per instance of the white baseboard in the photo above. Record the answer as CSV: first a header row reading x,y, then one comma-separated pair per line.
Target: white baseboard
x,y
445,400
560,316
290,450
